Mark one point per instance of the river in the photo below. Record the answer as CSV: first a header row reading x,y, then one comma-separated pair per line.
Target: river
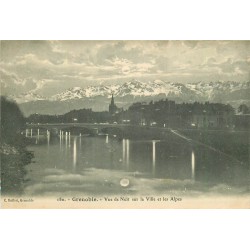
x,y
71,165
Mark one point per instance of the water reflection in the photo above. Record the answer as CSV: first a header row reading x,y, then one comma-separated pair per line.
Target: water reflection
x,y
157,159
127,152
74,153
153,157
123,151
66,139
80,142
48,137
60,139
193,165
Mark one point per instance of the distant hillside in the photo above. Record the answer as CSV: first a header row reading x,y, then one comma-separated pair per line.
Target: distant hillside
x,y
98,97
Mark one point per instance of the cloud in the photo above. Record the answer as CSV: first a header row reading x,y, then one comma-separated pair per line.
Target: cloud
x,y
48,67
126,67
10,50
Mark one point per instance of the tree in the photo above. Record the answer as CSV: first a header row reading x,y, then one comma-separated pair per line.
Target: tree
x,y
13,154
12,120
243,109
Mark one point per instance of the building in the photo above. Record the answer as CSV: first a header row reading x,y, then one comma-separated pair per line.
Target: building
x,y
206,119
242,121
112,107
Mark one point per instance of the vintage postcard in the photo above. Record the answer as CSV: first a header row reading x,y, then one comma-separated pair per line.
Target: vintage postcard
x,y
125,124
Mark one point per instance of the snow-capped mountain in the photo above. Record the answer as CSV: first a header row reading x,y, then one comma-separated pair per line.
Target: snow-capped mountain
x,y
212,89
98,97
136,88
78,93
133,88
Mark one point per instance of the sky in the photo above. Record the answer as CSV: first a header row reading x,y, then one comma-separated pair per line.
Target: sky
x,y
50,67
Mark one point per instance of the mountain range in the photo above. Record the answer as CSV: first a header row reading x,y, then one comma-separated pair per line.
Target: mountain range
x,y
98,97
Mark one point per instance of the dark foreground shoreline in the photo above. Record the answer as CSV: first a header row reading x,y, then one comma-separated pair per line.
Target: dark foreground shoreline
x,y
14,158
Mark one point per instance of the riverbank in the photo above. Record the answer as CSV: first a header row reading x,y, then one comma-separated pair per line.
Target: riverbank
x,y
14,158
233,143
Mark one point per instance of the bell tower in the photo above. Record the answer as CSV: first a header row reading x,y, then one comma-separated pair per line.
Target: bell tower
x,y
112,106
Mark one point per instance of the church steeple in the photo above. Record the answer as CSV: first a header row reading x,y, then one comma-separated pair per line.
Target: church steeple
x,y
112,100
112,106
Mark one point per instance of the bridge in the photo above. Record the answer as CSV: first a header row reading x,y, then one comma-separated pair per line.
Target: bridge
x,y
80,125
85,127
121,130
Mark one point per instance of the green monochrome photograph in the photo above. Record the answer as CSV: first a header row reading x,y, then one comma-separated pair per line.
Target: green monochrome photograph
x,y
125,124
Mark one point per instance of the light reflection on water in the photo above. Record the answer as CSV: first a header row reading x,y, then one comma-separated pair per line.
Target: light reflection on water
x,y
74,153
193,165
151,159
127,152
